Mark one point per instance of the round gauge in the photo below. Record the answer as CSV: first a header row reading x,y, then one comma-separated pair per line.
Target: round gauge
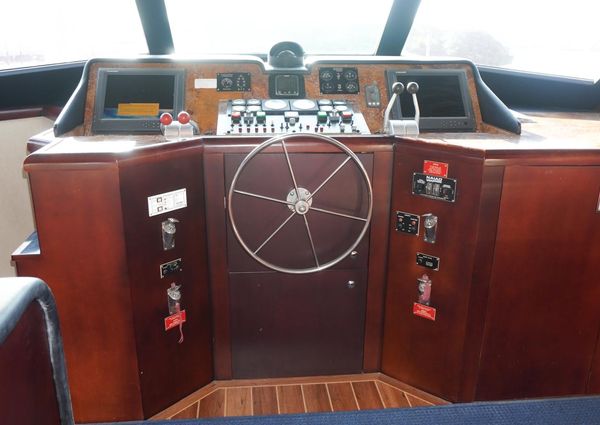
x,y
351,87
350,74
238,108
341,108
327,86
238,102
326,75
303,104
326,108
324,102
275,104
226,83
253,108
253,102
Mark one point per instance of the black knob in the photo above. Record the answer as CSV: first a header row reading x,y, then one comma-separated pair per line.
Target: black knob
x,y
397,88
412,87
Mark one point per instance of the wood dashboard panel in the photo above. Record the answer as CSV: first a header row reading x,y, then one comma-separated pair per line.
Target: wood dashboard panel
x,y
203,104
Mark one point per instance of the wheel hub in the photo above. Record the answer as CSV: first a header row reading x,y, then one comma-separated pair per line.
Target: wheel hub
x,y
299,203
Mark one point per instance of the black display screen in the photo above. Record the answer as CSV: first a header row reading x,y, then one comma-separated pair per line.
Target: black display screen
x,y
138,89
439,96
288,85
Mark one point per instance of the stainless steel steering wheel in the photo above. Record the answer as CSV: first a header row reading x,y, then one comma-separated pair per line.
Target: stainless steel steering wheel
x,y
299,200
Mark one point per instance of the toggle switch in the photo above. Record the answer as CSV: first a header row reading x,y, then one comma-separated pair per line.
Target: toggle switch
x,y
424,289
430,222
169,229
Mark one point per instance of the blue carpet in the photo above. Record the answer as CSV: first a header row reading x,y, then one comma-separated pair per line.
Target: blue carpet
x,y
563,411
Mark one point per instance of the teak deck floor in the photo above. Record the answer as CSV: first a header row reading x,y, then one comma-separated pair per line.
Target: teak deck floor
x,y
298,395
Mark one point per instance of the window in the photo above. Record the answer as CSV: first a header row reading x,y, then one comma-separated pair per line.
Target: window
x,y
37,32
546,37
351,27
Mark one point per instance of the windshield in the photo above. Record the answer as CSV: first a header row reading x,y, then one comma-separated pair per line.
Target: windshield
x,y
254,27
544,37
37,32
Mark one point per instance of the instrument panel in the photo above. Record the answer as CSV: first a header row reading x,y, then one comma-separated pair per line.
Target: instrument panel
x,y
211,87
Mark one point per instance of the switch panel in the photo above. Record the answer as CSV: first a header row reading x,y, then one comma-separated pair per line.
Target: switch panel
x,y
169,268
407,222
440,188
428,261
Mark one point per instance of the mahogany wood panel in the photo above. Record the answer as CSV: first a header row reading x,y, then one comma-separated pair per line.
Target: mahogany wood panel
x,y
202,104
378,250
295,325
217,223
423,353
158,350
543,318
217,257
487,221
256,218
85,266
27,393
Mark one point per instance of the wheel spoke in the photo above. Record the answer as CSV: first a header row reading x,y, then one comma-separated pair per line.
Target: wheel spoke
x,y
328,178
275,232
353,217
268,198
312,245
287,158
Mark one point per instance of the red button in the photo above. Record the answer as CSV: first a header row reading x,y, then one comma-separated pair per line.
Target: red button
x,y
166,118
183,117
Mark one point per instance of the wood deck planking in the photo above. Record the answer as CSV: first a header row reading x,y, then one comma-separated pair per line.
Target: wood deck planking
x,y
213,405
392,397
298,395
316,398
264,401
239,401
290,399
190,412
342,396
367,395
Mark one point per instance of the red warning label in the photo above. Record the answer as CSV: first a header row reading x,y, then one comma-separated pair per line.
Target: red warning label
x,y
174,320
434,168
424,311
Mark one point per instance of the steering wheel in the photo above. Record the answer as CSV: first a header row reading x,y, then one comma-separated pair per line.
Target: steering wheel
x,y
299,201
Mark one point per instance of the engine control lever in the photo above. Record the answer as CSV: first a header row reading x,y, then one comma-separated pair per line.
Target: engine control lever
x,y
402,127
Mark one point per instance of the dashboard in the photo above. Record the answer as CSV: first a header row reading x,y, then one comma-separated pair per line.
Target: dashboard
x,y
242,95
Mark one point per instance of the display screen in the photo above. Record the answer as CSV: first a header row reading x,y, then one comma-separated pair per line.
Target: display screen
x,y
287,85
439,96
130,96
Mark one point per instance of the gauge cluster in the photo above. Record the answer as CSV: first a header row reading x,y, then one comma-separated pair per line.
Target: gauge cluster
x,y
338,80
234,81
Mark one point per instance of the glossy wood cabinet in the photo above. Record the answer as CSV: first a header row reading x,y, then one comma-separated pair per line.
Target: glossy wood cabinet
x,y
100,253
517,290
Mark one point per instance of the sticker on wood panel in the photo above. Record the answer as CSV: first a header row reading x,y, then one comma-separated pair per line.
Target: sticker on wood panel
x,y
424,311
434,168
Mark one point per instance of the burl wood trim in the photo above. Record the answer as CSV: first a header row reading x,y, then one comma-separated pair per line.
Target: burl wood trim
x,y
202,104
